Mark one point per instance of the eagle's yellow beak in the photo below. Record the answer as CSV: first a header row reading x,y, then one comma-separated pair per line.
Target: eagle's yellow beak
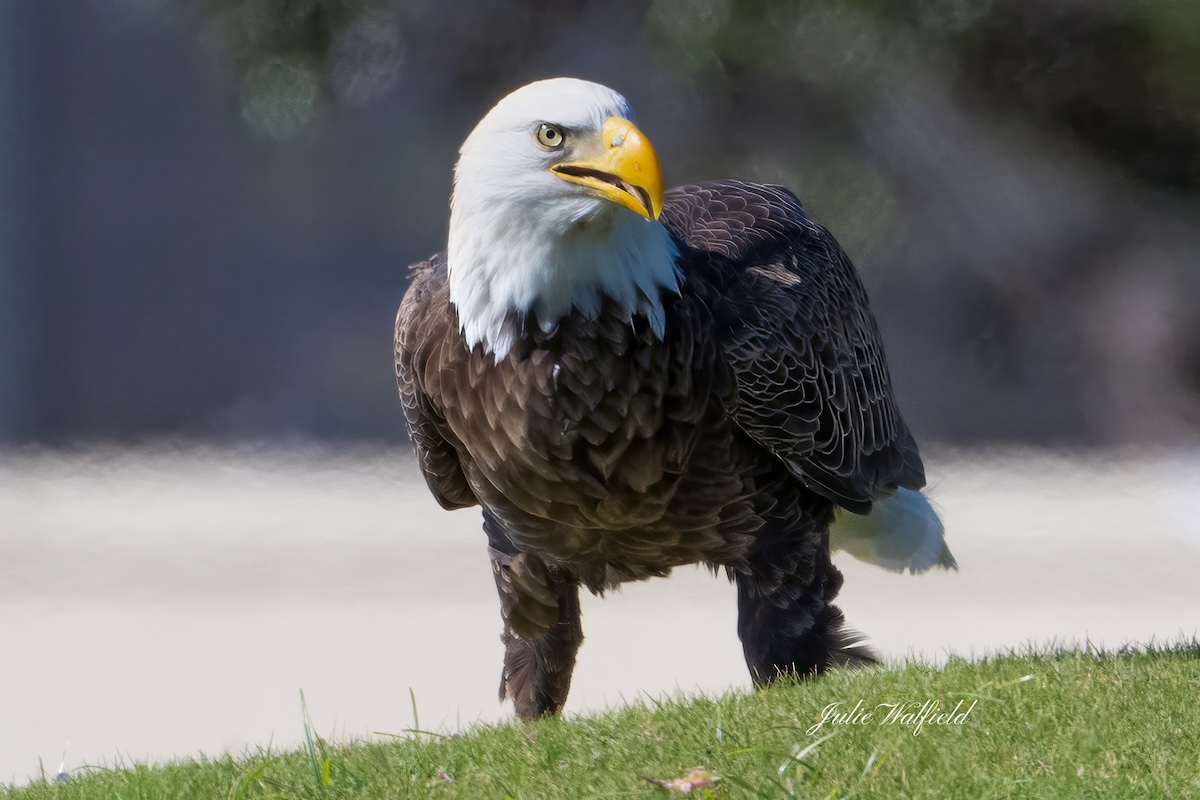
x,y
626,171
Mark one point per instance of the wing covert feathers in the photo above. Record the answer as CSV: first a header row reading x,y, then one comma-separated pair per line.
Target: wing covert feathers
x,y
812,382
421,320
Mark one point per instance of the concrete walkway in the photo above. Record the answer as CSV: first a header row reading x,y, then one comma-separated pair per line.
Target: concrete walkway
x,y
161,603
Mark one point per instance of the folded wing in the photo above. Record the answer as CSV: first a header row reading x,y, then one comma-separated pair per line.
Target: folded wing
x,y
798,334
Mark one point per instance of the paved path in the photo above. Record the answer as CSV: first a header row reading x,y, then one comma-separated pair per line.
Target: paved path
x,y
159,603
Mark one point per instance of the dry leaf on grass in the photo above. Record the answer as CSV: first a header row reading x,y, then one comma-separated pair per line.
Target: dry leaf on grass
x,y
696,779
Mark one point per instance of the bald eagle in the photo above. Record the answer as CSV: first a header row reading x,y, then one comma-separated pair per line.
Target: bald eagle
x,y
628,380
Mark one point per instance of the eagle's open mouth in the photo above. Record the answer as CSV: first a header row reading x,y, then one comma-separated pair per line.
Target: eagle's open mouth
x,y
576,171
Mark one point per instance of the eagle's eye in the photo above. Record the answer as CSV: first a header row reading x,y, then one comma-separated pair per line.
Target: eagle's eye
x,y
550,136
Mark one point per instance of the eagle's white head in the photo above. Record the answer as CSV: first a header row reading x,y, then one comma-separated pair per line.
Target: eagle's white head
x,y
556,197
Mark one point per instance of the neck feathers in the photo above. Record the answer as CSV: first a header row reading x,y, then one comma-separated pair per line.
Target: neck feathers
x,y
507,268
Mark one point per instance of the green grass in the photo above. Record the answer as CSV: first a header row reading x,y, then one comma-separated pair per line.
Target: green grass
x,y
1052,725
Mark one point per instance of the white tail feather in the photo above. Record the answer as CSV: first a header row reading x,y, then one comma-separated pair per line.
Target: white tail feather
x,y
902,532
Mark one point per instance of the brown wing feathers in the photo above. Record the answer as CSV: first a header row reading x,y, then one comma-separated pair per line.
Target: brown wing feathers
x,y
438,458
813,385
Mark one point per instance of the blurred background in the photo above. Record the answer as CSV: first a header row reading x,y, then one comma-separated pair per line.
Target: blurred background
x,y
208,206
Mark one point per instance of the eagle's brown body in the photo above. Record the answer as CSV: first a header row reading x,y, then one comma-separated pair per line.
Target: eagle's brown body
x,y
601,453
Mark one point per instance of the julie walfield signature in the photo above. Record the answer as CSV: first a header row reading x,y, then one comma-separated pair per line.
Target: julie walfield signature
x,y
916,713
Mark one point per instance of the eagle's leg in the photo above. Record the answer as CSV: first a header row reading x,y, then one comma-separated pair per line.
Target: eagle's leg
x,y
542,633
787,622
537,672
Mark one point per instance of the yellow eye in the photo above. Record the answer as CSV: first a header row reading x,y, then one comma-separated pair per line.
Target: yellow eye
x,y
550,136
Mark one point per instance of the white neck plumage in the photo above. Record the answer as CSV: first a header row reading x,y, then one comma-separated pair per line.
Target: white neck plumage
x,y
506,264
